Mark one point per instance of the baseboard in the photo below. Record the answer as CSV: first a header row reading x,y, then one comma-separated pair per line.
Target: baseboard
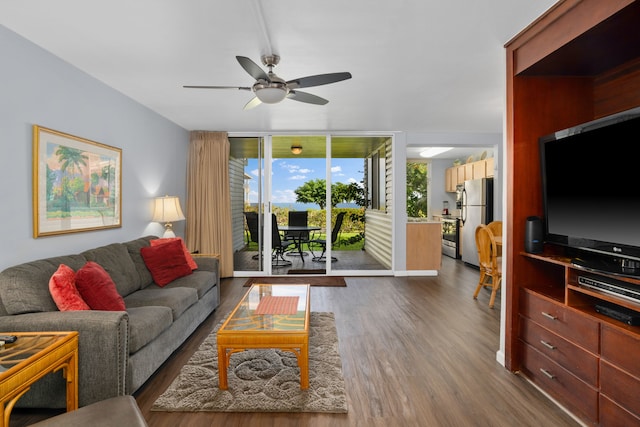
x,y
404,273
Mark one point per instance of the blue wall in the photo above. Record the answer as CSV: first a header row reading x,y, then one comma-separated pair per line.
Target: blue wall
x,y
37,87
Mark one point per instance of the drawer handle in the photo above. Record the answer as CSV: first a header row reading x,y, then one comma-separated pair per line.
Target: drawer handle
x,y
549,346
548,374
549,316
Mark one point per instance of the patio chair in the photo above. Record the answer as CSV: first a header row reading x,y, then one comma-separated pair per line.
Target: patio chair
x,y
252,228
322,243
300,237
279,245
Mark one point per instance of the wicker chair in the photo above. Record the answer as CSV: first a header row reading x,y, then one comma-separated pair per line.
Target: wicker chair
x,y
490,263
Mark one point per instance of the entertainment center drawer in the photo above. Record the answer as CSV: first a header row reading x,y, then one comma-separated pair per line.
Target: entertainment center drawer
x,y
621,349
569,324
620,387
575,359
611,414
568,389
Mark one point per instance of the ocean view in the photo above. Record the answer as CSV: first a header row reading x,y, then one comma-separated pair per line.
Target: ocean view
x,y
304,206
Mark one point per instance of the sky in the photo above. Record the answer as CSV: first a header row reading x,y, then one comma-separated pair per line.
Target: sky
x,y
289,174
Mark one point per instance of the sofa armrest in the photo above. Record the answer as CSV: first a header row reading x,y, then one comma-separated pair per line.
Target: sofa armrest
x,y
103,353
208,262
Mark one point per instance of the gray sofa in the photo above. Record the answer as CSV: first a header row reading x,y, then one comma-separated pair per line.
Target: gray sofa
x,y
118,350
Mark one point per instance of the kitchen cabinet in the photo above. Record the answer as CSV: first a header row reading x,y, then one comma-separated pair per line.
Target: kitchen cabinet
x,y
450,180
489,165
474,170
461,174
469,170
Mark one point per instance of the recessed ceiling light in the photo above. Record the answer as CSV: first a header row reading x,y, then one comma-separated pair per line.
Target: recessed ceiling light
x,y
434,151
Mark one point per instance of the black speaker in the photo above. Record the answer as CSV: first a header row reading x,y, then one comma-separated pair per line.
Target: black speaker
x,y
533,235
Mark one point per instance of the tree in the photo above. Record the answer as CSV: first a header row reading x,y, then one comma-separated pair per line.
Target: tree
x,y
417,190
347,193
315,191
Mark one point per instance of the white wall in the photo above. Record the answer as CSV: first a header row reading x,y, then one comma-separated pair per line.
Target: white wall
x,y
39,88
437,193
461,139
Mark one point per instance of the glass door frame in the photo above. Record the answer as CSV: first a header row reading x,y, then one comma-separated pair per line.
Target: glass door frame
x,y
266,203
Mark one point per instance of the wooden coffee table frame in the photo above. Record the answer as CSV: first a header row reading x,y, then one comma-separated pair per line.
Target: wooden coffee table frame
x,y
235,340
53,351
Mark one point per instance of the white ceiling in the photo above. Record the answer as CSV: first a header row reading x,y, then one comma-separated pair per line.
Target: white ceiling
x,y
417,65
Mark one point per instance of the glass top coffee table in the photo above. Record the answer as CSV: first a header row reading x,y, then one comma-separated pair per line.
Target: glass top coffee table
x,y
32,356
268,316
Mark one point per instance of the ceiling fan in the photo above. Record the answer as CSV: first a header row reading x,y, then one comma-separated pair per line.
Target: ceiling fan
x,y
271,89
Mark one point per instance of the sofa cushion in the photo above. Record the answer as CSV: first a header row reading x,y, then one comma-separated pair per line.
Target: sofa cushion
x,y
115,259
97,289
64,292
24,288
146,323
133,247
166,262
177,299
187,254
201,281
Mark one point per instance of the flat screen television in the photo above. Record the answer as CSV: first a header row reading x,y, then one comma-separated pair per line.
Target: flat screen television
x,y
591,192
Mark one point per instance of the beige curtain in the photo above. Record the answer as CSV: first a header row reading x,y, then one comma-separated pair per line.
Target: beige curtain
x,y
208,228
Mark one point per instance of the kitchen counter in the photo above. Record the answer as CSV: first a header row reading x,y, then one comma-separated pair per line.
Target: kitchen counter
x,y
441,217
421,220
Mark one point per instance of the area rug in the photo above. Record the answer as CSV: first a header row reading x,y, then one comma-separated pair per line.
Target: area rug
x,y
307,271
312,280
264,380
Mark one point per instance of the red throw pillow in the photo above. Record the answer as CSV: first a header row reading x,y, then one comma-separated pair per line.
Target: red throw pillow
x,y
187,254
98,289
62,286
166,262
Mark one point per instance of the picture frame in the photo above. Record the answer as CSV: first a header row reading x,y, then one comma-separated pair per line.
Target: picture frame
x,y
77,184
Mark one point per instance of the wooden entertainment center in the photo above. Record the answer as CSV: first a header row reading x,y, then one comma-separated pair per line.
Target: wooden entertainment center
x,y
578,62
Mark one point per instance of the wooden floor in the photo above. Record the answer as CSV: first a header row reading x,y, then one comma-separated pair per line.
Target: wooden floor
x,y
416,351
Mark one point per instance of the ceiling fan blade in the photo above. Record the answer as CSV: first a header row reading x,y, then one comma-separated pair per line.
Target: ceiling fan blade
x,y
318,80
252,104
217,87
252,68
306,97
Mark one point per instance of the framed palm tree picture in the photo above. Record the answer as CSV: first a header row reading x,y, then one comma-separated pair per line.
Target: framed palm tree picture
x,y
77,184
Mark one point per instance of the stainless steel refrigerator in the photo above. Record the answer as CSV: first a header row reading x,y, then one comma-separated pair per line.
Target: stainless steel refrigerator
x,y
477,208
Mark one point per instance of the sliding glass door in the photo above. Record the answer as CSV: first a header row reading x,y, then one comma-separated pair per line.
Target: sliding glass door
x,y
324,179
270,177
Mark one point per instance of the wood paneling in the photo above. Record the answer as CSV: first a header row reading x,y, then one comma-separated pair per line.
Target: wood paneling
x,y
569,25
578,62
424,246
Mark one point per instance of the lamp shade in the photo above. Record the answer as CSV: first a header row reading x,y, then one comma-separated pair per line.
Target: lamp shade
x,y
167,209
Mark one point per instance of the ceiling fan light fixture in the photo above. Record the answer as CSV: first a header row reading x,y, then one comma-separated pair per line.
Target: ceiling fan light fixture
x,y
271,94
296,149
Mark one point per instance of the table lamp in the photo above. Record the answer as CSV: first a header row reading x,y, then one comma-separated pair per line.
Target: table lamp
x,y
167,210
